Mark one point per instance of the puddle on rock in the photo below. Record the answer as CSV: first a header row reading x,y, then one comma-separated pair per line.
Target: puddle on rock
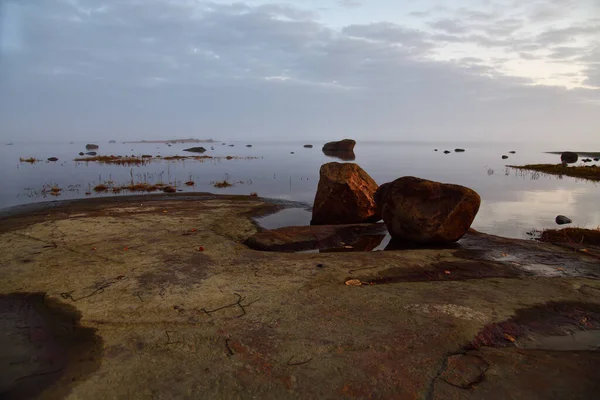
x,y
42,342
285,217
577,341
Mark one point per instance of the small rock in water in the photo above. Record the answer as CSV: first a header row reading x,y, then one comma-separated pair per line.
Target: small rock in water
x,y
512,152
459,150
291,152
504,157
586,160
569,157
195,149
81,153
562,220
53,159
91,153
446,151
308,146
435,149
248,145
91,146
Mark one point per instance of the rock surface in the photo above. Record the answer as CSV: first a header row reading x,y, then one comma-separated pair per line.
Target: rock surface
x,y
569,157
422,211
342,145
562,220
464,370
344,195
195,149
314,237
91,146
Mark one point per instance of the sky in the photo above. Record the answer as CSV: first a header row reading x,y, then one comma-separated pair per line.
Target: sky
x,y
467,70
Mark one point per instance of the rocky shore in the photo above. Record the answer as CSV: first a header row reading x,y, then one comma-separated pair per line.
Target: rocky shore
x,y
159,297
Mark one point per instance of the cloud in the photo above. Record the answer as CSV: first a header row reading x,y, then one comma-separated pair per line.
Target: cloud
x,y
158,67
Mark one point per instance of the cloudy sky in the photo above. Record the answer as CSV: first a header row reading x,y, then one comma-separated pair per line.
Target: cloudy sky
x,y
497,70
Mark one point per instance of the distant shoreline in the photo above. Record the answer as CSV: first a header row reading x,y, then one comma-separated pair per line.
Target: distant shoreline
x,y
581,153
174,141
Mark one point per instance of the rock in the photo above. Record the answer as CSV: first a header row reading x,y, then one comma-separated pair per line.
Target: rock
x,y
169,189
212,148
435,149
308,146
345,195
81,153
315,237
569,157
512,152
562,220
52,159
597,159
231,145
146,156
426,212
291,152
91,146
504,157
459,150
112,141
587,160
248,145
91,153
446,151
195,149
341,155
464,370
342,145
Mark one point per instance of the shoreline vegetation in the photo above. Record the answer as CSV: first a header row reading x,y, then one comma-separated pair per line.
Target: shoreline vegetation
x,y
591,172
173,141
571,235
145,159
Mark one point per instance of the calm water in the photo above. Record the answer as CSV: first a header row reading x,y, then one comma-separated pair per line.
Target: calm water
x,y
513,202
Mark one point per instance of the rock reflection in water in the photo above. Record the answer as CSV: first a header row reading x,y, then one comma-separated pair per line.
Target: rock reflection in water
x,y
341,155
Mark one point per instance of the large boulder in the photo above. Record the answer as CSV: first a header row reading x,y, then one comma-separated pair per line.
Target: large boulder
x,y
345,195
426,212
342,145
569,157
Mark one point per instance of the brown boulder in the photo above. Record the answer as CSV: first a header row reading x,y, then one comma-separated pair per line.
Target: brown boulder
x,y
342,145
345,195
422,211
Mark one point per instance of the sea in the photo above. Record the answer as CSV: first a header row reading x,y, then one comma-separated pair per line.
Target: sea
x,y
515,203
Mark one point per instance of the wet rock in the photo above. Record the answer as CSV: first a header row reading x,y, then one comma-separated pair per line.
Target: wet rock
x,y
52,159
504,157
597,159
562,220
569,157
308,146
81,153
427,212
459,150
435,149
169,189
464,370
342,145
91,146
248,145
341,155
315,237
195,149
91,153
231,145
345,195
512,152
447,151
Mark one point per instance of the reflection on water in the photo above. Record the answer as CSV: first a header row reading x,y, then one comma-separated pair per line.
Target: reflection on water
x,y
513,201
340,155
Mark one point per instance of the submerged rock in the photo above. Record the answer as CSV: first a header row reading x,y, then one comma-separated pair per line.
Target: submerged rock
x,y
569,157
91,153
248,145
91,146
195,149
112,141
504,157
428,212
447,152
342,145
345,195
512,152
308,146
562,220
